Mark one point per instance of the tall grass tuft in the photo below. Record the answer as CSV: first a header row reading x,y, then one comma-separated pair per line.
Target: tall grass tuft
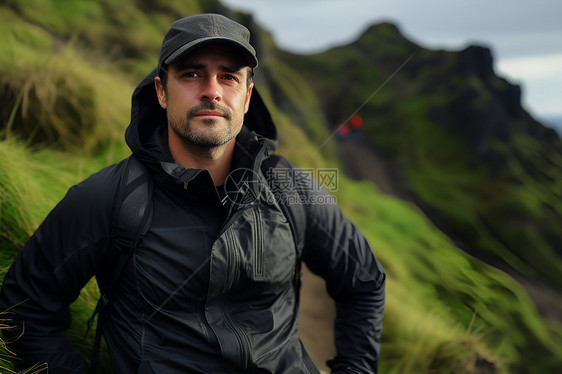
x,y
432,343
61,101
48,105
29,188
6,355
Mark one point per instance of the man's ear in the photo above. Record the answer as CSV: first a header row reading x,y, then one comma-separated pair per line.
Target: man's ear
x,y
248,97
160,92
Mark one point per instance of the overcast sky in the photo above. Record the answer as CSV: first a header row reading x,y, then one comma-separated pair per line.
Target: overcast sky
x,y
525,36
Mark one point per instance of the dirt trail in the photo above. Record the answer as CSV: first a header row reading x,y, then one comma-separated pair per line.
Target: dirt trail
x,y
317,313
317,309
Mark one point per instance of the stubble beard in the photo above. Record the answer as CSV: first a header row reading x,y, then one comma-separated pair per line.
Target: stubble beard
x,y
208,137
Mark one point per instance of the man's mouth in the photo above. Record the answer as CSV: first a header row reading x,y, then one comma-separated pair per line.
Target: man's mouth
x,y
208,114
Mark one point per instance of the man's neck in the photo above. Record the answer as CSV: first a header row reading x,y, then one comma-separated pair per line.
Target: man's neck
x,y
216,160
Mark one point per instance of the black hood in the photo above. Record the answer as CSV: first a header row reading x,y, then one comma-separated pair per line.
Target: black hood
x,y
147,132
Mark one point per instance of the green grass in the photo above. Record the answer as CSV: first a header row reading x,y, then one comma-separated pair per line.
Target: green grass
x,y
480,311
6,355
53,100
31,183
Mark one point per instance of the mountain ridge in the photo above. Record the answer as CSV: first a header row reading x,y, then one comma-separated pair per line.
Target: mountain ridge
x,y
445,120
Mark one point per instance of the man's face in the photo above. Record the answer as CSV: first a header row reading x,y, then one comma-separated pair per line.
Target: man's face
x,y
207,96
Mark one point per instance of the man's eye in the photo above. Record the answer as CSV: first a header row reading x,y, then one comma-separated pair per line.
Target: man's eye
x,y
229,77
190,74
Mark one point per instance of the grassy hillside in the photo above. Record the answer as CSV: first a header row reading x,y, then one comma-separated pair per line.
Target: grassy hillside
x,y
465,149
67,87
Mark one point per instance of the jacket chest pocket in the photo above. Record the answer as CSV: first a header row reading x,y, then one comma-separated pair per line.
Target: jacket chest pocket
x,y
258,239
259,248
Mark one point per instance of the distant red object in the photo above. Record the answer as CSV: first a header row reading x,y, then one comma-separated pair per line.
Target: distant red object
x,y
356,121
344,130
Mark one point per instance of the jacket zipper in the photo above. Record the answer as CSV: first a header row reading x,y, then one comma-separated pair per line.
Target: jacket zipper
x,y
233,274
243,340
231,219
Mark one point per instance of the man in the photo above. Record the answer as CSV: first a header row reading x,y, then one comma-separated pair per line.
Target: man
x,y
211,286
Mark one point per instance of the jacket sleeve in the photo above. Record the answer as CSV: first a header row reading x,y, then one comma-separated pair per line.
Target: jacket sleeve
x,y
336,250
49,272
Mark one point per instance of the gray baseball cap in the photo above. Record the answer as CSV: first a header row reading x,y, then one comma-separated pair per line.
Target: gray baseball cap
x,y
194,31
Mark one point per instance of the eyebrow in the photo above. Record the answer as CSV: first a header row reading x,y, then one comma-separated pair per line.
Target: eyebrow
x,y
187,65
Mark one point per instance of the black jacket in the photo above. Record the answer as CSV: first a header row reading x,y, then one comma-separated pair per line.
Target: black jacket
x,y
210,287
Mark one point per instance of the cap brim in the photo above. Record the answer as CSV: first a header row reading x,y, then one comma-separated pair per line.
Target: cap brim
x,y
186,48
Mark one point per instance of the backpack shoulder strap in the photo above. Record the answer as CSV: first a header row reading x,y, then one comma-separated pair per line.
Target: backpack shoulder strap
x,y
133,205
131,220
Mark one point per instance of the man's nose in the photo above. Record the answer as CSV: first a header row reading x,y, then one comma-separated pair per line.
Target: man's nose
x,y
211,90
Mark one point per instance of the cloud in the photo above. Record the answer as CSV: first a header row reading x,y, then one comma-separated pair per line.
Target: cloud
x,y
541,80
532,67
513,29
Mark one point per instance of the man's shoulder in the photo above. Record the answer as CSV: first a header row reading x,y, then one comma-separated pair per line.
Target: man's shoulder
x,y
100,187
107,174
276,161
283,174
